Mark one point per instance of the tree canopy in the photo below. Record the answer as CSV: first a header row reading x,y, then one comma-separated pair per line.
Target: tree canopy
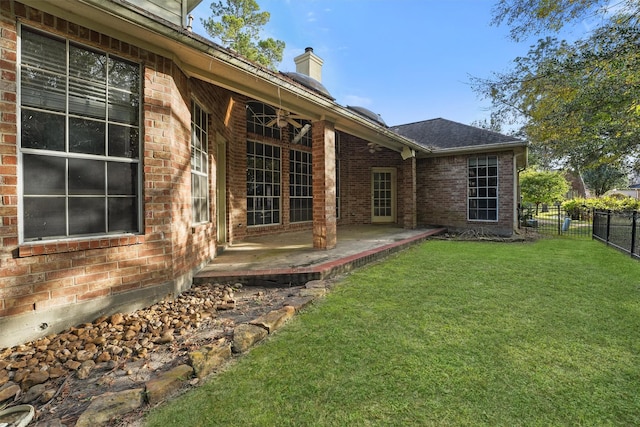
x,y
579,100
239,26
542,187
604,178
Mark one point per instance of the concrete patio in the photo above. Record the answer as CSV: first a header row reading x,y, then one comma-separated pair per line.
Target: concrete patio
x,y
290,259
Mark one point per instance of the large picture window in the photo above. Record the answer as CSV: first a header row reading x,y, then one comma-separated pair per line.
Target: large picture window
x,y
483,188
300,186
199,165
79,140
263,184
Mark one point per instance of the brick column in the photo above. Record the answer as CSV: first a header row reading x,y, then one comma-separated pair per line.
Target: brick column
x,y
409,218
325,235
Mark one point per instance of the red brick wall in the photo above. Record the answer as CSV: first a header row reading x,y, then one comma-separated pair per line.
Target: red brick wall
x,y
442,193
36,278
356,163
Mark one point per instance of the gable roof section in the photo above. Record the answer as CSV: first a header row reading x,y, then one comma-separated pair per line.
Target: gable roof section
x,y
441,134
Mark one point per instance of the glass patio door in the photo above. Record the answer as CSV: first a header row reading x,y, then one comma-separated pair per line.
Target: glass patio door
x,y
383,195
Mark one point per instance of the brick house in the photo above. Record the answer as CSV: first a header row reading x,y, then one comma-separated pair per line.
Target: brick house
x,y
132,150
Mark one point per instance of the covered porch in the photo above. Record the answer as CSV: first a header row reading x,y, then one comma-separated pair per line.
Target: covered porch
x,y
290,259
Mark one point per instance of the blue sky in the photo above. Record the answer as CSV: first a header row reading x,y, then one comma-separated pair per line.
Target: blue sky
x,y
407,60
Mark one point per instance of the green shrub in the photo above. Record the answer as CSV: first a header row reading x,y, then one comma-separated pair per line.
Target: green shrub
x,y
579,207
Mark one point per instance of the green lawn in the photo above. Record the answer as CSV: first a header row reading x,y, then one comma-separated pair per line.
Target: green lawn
x,y
447,333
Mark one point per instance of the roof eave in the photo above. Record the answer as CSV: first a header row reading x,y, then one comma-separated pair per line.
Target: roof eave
x,y
202,59
518,146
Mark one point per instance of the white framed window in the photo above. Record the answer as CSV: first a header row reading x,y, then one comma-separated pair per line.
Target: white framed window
x,y
482,196
263,184
79,158
199,164
300,186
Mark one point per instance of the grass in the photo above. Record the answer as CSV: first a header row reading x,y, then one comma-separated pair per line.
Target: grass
x,y
447,333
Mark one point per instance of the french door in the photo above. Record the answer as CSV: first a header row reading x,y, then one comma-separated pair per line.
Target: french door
x,y
383,195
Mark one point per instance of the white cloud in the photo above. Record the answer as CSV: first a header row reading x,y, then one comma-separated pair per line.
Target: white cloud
x,y
357,101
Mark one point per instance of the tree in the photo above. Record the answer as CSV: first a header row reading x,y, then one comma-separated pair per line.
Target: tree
x,y
539,187
603,178
527,17
579,100
239,26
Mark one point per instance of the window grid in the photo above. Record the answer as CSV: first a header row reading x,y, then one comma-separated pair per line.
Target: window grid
x,y
263,184
301,135
199,164
300,186
382,194
259,116
79,140
483,188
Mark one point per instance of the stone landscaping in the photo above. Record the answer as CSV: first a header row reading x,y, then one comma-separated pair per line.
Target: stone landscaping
x,y
108,372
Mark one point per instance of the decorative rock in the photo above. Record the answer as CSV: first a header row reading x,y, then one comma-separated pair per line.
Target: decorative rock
x,y
10,390
83,355
36,377
72,364
298,302
160,388
110,405
117,319
4,377
274,319
208,358
21,375
33,393
245,335
18,365
56,372
130,334
48,395
166,337
85,369
103,357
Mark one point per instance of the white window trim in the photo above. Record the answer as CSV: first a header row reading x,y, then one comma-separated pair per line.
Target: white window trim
x,y
70,155
205,159
497,198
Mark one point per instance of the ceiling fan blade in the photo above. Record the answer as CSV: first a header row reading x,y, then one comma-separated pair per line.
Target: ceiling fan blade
x,y
294,123
301,134
272,122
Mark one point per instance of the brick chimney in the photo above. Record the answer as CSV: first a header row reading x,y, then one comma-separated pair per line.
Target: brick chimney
x,y
309,64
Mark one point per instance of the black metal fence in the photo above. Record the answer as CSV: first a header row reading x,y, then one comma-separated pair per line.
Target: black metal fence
x,y
618,229
556,221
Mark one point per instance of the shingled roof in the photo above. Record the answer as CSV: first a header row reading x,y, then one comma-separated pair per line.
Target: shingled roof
x,y
446,134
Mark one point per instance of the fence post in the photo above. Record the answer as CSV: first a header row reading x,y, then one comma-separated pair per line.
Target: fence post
x,y
608,225
633,232
559,221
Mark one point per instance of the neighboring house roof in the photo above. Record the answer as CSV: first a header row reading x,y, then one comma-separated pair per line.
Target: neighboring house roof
x,y
439,134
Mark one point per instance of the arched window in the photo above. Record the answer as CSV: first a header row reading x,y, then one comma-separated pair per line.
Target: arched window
x,y
262,120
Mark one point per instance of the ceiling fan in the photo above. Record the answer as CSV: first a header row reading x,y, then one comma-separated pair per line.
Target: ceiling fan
x,y
373,147
283,117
